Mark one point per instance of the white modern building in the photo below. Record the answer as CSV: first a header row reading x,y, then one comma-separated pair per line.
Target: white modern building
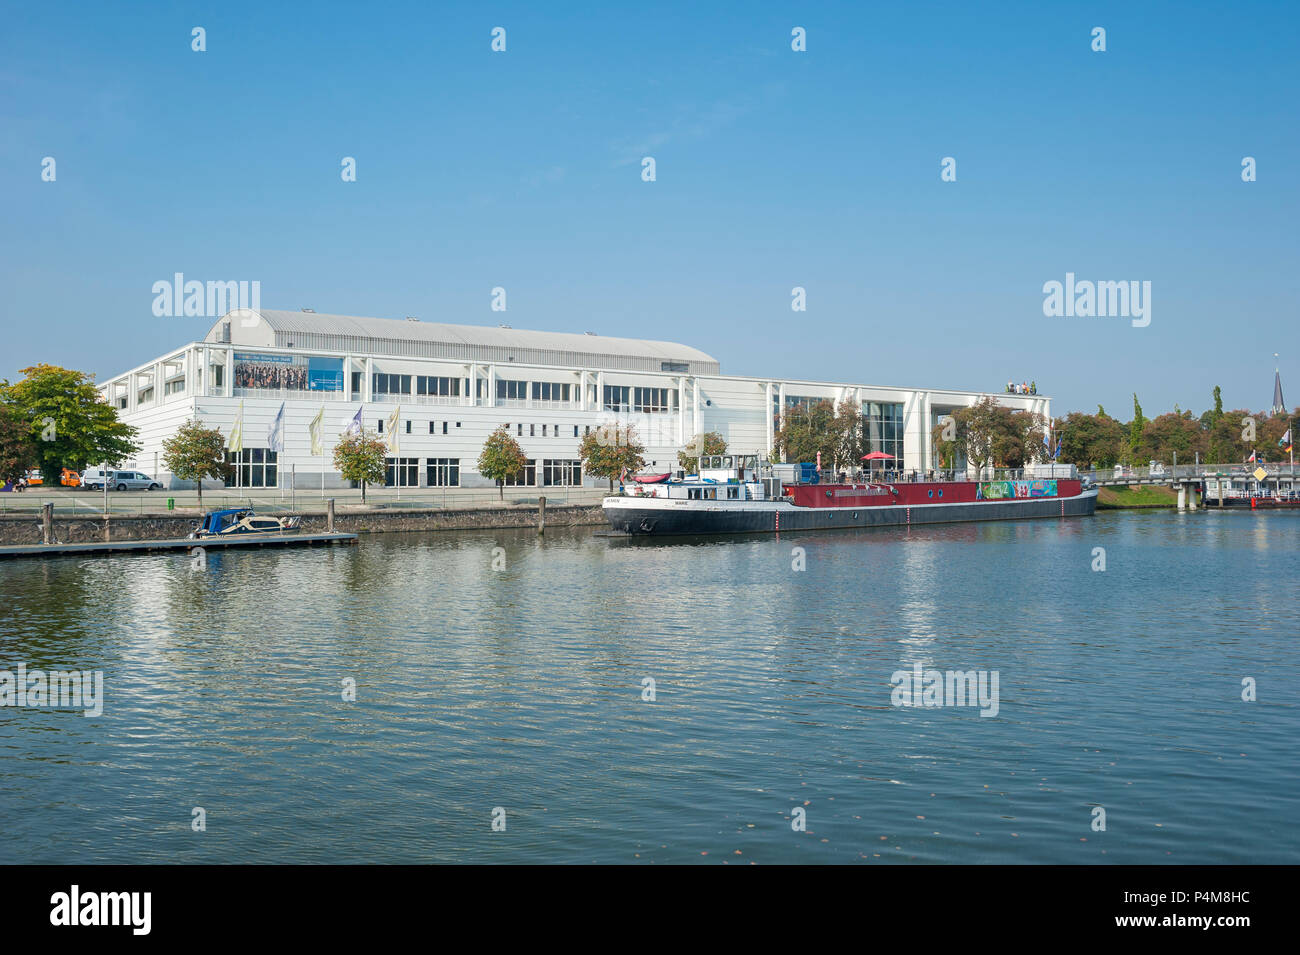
x,y
452,385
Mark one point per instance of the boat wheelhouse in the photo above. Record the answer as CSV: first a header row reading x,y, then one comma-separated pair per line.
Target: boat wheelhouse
x,y
1265,486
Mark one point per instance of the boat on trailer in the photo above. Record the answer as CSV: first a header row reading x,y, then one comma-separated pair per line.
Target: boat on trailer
x,y
740,494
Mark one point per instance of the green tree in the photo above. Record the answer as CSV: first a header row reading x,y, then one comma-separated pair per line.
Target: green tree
x,y
501,458
1168,435
611,449
70,423
194,453
1135,429
17,449
702,444
1091,440
360,456
819,427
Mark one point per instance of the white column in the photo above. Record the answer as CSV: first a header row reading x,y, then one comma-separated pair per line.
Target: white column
x,y
696,414
767,417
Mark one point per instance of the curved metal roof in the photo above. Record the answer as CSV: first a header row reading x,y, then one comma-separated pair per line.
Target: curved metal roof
x,y
418,339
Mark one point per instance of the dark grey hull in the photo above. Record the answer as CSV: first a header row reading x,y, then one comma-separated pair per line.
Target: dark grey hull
x,y
703,520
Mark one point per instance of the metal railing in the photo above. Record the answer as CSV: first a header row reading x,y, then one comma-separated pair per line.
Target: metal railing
x,y
289,500
1170,473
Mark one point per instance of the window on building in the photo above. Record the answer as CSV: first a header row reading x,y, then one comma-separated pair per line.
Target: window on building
x,y
793,403
442,472
381,425
408,427
882,430
437,387
532,431
561,473
551,391
618,398
384,384
527,479
575,430
444,426
356,383
175,386
650,400
252,467
519,430
431,427
401,472
675,366
511,390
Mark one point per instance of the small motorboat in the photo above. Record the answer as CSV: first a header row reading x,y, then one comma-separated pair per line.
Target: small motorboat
x,y
651,478
242,520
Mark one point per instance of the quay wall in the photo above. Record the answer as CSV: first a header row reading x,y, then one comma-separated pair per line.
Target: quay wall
x,y
80,528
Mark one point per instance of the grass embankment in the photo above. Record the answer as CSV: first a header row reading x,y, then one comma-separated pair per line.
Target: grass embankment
x,y
1152,495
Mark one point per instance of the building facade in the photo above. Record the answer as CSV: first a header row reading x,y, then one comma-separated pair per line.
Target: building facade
x,y
447,387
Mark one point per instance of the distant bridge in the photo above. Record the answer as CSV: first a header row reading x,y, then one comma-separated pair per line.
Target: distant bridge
x,y
1181,473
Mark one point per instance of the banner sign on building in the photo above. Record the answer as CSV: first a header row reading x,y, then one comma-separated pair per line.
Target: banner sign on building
x,y
1002,490
292,372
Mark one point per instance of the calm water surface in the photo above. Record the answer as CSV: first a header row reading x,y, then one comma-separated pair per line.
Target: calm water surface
x,y
521,688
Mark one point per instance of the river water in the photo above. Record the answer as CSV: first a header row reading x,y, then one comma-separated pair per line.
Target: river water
x,y
502,677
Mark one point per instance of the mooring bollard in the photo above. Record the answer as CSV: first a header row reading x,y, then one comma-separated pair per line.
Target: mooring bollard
x,y
47,523
329,516
541,515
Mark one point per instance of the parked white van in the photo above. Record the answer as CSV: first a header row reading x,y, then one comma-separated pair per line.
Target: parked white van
x,y
93,478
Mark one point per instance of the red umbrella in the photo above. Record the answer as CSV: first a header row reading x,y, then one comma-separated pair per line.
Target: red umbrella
x,y
877,456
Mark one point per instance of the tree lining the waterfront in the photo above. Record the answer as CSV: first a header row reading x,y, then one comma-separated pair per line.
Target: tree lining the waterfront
x,y
66,420
501,459
1216,436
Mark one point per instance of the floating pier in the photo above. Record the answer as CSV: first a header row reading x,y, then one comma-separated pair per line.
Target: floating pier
x,y
96,548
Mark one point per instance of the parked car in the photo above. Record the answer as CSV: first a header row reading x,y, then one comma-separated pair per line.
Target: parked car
x,y
93,478
131,481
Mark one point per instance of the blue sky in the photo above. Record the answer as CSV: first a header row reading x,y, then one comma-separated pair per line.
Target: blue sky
x,y
775,169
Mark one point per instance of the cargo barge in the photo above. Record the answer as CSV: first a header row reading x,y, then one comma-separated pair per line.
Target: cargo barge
x,y
740,494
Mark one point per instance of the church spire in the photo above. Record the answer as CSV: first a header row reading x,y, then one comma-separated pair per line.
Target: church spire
x,y
1279,406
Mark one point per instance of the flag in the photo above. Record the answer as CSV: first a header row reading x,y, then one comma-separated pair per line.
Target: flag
x,y
235,441
1285,441
1058,448
1251,459
393,421
317,424
354,426
275,434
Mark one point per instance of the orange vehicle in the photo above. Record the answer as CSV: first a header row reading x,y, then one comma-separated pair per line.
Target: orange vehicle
x,y
68,478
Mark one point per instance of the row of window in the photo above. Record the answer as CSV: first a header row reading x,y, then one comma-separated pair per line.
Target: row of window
x,y
436,427
554,473
258,467
438,472
616,397
644,400
445,472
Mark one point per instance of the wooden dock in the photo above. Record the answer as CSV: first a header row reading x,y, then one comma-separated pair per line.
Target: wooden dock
x,y
97,548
